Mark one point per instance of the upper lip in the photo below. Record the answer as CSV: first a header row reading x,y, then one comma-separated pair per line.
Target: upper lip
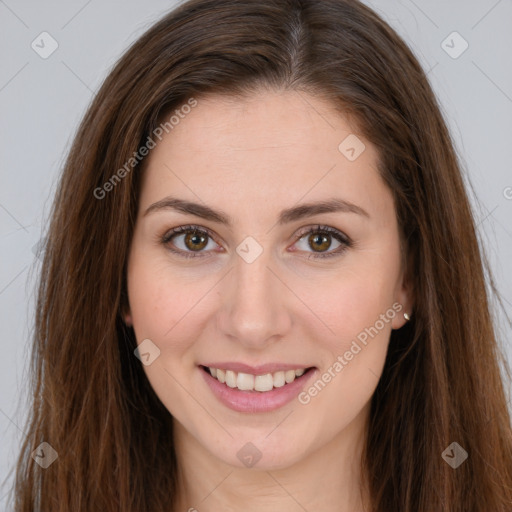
x,y
256,370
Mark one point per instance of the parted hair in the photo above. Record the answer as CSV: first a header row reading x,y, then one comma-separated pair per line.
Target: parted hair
x,y
443,379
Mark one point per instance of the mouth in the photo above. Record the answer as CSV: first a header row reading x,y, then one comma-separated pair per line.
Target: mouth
x,y
251,392
259,383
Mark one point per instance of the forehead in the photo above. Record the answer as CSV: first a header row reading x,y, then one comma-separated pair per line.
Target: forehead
x,y
259,121
264,148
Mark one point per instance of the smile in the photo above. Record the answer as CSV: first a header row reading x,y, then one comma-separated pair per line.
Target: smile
x,y
256,392
250,382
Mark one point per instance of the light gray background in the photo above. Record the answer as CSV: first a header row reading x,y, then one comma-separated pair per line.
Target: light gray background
x,y
42,101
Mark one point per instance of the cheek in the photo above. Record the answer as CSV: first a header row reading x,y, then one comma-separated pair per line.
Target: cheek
x,y
354,303
158,298
353,359
170,309
359,312
151,301
162,310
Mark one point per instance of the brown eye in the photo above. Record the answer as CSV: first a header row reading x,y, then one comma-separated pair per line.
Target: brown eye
x,y
319,242
323,242
196,241
189,241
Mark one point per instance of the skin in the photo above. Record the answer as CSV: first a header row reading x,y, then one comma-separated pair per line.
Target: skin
x,y
252,158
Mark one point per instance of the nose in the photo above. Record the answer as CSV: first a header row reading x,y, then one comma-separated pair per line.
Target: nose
x,y
255,303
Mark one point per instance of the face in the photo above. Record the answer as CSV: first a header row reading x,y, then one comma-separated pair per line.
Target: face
x,y
265,242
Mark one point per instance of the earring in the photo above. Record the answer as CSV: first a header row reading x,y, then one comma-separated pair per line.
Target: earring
x,y
407,317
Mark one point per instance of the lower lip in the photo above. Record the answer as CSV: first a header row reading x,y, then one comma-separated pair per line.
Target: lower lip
x,y
257,401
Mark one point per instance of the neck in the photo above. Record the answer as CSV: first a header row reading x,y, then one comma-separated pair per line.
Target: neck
x,y
326,478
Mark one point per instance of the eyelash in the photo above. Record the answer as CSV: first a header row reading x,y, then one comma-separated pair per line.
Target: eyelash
x,y
338,235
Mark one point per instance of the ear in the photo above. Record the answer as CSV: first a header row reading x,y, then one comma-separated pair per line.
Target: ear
x,y
404,296
127,316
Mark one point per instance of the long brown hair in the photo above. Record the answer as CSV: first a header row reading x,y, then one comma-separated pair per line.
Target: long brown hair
x,y
441,381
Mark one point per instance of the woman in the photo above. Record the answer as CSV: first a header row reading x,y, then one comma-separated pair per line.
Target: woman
x,y
262,287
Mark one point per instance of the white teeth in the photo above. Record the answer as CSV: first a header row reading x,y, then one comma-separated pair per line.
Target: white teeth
x,y
245,381
289,376
231,379
264,382
278,379
249,382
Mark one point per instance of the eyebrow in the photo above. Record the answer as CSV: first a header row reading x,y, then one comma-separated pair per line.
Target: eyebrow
x,y
334,205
